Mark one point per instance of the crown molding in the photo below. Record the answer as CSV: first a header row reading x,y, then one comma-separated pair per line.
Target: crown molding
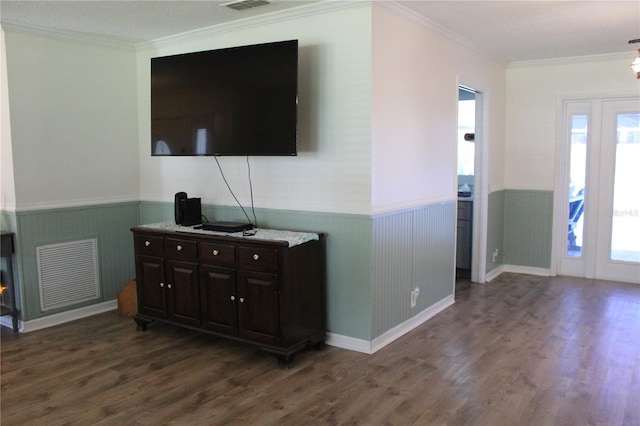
x,y
73,36
125,44
269,18
411,15
574,60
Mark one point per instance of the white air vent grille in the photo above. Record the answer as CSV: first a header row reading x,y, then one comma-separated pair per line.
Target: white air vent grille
x,y
244,4
68,273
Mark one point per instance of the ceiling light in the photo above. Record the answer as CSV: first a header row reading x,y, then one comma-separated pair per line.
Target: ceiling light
x,y
244,4
635,65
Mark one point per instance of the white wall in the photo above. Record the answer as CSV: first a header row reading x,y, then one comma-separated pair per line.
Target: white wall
x,y
534,91
332,171
7,186
416,73
73,121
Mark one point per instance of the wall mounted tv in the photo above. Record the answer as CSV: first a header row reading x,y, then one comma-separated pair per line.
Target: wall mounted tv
x,y
234,101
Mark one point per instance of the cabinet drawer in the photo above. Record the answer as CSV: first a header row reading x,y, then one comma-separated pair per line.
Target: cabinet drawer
x,y
258,258
148,244
179,248
217,254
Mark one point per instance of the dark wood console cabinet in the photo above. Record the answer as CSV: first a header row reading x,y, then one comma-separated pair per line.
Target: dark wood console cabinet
x,y
259,291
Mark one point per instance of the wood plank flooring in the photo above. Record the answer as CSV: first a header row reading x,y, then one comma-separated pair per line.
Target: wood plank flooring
x,y
521,350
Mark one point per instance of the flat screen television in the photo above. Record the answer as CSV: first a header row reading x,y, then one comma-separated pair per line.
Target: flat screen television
x,y
233,101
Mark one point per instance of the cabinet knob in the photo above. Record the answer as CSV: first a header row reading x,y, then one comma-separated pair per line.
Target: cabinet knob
x,y
179,247
161,284
233,298
147,243
168,285
216,252
256,257
242,300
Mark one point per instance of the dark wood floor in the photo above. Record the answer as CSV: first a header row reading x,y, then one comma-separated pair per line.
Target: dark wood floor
x,y
521,350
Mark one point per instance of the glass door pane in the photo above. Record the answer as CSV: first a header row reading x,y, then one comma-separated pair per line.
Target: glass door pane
x,y
577,179
625,223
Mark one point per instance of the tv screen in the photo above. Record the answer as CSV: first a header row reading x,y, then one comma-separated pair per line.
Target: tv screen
x,y
234,101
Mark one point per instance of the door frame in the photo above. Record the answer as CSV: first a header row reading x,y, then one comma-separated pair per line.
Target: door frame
x,y
480,184
560,207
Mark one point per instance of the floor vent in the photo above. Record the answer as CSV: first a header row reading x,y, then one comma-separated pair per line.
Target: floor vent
x,y
68,273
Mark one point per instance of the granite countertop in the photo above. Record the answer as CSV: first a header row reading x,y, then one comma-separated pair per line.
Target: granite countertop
x,y
292,238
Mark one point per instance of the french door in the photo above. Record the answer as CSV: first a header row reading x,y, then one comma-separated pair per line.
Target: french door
x,y
601,190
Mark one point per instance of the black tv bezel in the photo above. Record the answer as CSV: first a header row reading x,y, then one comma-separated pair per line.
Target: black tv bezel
x,y
291,147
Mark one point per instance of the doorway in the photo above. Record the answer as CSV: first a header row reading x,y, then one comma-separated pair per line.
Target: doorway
x,y
600,214
466,150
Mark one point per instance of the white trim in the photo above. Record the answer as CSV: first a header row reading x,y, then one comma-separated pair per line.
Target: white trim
x,y
267,18
494,273
34,207
349,343
573,60
480,193
364,346
517,269
411,15
75,36
7,321
529,270
64,317
496,188
530,187
412,323
413,205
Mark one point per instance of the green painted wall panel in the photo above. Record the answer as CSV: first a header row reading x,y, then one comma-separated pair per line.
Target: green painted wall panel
x,y
412,248
423,240
528,228
110,224
495,229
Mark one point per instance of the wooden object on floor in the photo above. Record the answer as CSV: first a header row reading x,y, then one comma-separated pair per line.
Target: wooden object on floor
x,y
128,300
521,350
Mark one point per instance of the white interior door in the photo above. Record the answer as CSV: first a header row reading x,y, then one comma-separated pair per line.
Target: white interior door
x,y
601,213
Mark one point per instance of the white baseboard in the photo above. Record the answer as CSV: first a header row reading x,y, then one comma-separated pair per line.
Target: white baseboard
x,y
516,269
62,317
413,322
494,273
7,321
370,347
349,343
529,270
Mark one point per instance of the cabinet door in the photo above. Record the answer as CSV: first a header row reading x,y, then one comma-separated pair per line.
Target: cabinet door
x,y
182,292
219,299
258,313
150,286
463,255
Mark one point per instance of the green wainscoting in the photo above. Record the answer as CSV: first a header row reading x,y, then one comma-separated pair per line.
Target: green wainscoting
x,y
495,229
528,228
110,224
414,248
373,263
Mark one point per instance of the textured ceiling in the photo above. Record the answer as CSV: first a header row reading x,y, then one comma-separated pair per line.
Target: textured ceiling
x,y
506,30
534,30
129,21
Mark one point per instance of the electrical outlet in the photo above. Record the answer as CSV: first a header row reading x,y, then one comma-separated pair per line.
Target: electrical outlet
x,y
414,296
494,256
